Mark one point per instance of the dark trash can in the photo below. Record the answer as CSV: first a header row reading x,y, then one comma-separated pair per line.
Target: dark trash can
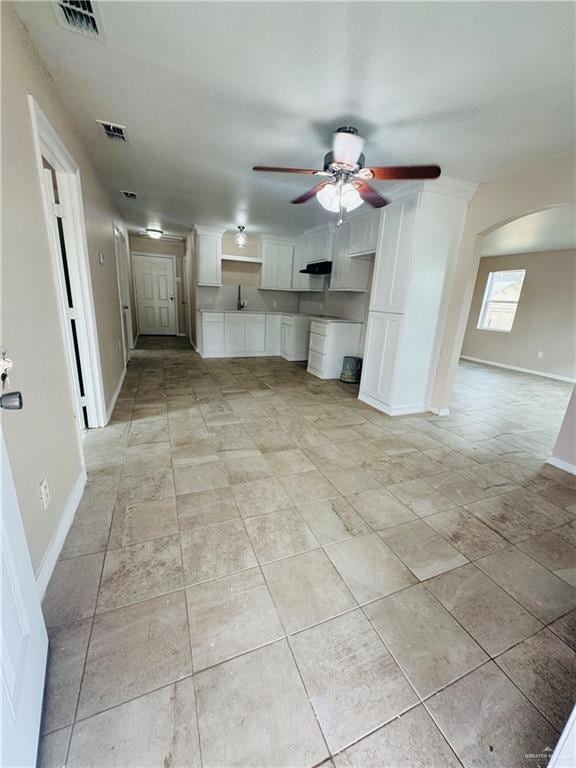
x,y
351,370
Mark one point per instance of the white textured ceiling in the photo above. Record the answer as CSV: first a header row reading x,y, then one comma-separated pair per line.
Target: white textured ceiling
x,y
551,230
208,89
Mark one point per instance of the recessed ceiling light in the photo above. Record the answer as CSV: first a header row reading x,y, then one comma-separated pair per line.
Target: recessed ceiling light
x,y
154,233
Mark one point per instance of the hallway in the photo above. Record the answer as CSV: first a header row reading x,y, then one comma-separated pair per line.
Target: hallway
x,y
264,571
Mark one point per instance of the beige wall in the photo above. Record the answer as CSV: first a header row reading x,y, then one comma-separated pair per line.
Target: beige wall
x,y
545,319
42,439
176,248
252,249
494,203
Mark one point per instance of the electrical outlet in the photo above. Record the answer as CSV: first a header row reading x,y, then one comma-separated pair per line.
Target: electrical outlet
x,y
540,354
45,493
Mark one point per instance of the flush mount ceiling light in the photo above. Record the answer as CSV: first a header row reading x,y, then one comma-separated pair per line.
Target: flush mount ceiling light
x,y
154,233
241,239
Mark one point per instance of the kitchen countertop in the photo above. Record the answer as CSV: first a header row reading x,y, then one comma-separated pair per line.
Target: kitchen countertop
x,y
248,311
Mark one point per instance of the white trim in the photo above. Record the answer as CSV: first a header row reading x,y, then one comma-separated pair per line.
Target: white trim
x,y
114,397
393,410
564,755
520,370
53,552
157,256
48,144
118,231
440,411
565,466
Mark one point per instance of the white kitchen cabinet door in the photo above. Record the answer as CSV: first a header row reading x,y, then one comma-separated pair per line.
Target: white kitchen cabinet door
x,y
363,234
382,335
273,325
255,333
208,249
234,333
319,244
286,340
348,273
212,335
302,282
277,263
394,255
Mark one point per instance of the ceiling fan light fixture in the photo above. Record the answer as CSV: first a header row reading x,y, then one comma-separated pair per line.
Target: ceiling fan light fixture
x,y
332,196
350,197
241,239
154,233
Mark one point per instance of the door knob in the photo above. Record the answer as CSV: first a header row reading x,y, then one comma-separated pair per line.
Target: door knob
x,y
11,401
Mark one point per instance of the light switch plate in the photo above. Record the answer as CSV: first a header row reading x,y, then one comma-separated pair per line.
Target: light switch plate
x,y
45,493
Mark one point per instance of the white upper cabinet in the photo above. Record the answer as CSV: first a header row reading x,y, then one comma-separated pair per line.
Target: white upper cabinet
x,y
348,273
319,244
209,255
277,264
394,255
302,282
363,233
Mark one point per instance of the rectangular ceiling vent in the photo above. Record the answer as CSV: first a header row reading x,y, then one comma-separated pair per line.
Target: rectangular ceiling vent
x,y
128,195
78,15
113,132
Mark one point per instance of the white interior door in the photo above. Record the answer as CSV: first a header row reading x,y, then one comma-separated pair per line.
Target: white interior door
x,y
23,635
155,294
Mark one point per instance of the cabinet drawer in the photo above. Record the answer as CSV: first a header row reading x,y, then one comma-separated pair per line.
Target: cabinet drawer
x,y
318,343
316,360
213,317
319,328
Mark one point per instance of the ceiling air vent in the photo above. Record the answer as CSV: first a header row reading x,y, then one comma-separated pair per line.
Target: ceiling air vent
x,y
128,195
79,15
112,131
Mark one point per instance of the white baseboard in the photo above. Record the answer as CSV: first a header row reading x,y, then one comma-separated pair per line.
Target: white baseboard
x,y
561,464
115,396
520,370
393,410
55,547
440,411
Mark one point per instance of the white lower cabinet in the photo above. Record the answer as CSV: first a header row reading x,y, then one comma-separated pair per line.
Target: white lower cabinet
x,y
212,333
255,334
294,336
330,341
382,335
273,325
235,333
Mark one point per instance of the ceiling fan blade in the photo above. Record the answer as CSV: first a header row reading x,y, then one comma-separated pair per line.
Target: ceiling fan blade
x,y
405,172
271,169
307,195
370,196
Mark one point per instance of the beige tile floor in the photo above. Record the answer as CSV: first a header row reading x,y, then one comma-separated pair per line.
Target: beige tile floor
x,y
266,572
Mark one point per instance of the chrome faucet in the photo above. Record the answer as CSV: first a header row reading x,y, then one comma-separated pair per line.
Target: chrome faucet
x,y
240,304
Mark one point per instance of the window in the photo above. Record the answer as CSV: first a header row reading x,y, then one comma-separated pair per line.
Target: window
x,y
501,299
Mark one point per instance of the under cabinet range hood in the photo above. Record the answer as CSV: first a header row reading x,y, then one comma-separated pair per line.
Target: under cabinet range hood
x,y
318,268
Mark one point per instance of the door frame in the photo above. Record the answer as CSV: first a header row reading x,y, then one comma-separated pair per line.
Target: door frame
x,y
48,145
156,256
123,278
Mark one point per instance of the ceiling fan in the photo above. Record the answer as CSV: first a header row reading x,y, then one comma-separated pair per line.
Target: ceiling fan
x,y
346,187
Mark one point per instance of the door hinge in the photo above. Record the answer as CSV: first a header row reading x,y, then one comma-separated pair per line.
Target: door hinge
x,y
58,210
70,313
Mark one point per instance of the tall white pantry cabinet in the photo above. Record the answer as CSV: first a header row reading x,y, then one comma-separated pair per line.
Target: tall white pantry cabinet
x,y
418,241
